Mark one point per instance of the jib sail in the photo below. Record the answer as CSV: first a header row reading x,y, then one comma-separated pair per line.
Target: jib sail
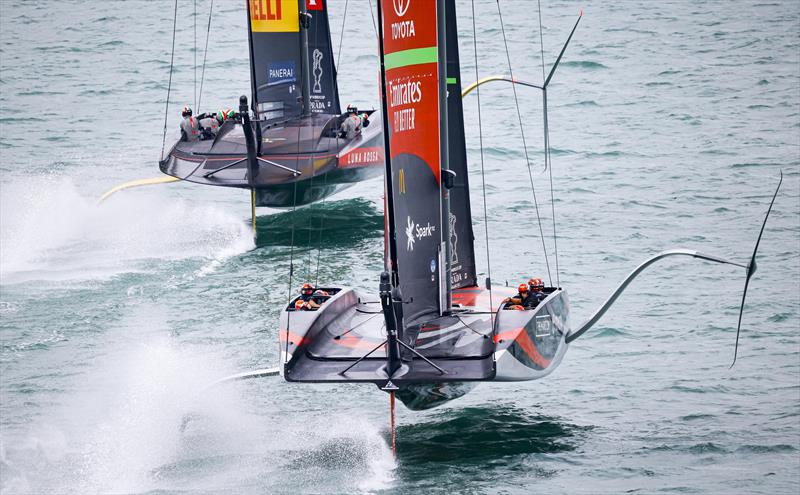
x,y
410,55
324,95
462,268
278,47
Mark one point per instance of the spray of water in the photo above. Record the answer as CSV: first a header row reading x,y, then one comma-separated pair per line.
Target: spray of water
x,y
48,230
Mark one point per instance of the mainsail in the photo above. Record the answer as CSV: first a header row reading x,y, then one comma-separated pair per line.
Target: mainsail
x,y
410,56
288,62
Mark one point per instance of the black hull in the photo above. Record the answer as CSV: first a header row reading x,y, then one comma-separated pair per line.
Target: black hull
x,y
300,161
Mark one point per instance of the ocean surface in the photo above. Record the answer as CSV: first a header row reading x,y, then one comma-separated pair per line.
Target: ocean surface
x,y
670,122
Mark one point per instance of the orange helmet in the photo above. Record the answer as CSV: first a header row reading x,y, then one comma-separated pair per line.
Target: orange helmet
x,y
522,288
536,284
307,289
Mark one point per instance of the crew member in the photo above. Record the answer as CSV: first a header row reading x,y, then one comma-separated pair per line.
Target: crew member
x,y
209,125
351,126
521,301
306,300
536,287
190,128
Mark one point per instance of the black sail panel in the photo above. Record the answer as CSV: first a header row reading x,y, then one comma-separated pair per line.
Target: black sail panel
x,y
462,270
275,58
410,55
324,93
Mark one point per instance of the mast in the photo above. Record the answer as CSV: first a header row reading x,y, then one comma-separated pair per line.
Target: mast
x,y
305,77
253,84
391,225
445,295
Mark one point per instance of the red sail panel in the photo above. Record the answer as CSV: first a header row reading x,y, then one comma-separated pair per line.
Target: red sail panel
x,y
412,98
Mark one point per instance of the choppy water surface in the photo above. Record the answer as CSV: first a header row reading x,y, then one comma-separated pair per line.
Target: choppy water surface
x,y
669,122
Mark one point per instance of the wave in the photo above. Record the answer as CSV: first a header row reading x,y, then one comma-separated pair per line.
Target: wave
x,y
451,436
584,64
51,231
333,223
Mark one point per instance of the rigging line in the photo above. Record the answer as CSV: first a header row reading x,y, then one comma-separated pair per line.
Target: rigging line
x,y
547,159
169,85
205,54
552,196
312,206
291,250
311,209
195,56
483,175
470,327
524,145
335,91
341,33
372,13
321,225
541,42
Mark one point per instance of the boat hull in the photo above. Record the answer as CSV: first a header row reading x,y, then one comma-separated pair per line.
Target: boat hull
x,y
300,162
343,341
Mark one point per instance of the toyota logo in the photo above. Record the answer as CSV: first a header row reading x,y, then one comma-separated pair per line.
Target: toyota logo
x,y
401,7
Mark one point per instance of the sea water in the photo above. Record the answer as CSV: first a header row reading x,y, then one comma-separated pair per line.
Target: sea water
x,y
669,123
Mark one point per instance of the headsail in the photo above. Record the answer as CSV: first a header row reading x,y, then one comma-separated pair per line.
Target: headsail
x,y
324,95
462,271
410,55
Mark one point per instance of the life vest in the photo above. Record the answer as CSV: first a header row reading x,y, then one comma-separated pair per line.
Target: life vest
x,y
210,127
351,126
190,128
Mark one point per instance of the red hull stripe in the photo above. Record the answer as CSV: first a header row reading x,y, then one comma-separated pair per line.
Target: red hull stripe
x,y
523,340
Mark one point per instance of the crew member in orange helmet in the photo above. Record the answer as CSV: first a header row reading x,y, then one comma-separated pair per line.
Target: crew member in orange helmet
x,y
521,301
306,300
536,287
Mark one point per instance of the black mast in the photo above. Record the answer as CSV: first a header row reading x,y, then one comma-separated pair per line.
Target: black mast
x,y
253,84
445,296
390,227
305,82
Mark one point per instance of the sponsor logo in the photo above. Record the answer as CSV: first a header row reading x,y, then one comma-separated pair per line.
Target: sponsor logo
x,y
313,4
317,71
415,232
544,326
362,156
401,7
405,93
268,16
402,29
280,73
410,235
453,239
